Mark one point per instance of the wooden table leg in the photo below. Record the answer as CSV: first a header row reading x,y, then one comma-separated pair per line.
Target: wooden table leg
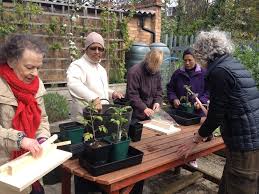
x,y
125,190
66,182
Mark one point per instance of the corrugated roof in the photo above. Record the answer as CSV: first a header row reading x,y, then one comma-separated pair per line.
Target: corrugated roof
x,y
91,6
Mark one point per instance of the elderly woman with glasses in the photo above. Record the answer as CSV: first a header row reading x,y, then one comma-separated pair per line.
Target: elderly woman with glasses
x,y
87,79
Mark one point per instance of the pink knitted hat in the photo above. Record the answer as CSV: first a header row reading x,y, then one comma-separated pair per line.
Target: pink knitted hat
x,y
93,37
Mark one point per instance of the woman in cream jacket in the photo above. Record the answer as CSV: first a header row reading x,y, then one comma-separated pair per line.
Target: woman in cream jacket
x,y
87,79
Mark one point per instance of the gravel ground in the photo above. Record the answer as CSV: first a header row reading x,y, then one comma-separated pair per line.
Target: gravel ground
x,y
212,164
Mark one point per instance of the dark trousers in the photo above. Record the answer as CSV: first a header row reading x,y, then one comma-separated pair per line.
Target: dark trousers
x,y
241,173
83,186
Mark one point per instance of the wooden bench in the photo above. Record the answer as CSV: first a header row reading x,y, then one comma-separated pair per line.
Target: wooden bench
x,y
159,156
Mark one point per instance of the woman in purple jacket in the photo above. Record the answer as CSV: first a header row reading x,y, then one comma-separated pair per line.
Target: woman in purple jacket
x,y
191,74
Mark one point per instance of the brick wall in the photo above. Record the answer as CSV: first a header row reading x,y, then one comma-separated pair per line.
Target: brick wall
x,y
57,62
151,22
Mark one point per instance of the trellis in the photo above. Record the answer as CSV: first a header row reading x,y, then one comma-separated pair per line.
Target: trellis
x,y
56,62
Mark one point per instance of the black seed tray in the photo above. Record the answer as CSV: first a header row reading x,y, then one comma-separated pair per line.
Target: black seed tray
x,y
184,118
134,157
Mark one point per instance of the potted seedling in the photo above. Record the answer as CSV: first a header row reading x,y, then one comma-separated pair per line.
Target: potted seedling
x,y
96,151
119,138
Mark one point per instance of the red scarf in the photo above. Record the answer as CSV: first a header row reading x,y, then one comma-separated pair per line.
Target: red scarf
x,y
28,114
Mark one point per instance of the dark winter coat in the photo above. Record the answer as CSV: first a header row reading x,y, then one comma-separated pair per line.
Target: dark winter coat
x,y
143,89
234,105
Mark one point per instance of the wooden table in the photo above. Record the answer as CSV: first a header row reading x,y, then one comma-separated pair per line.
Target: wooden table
x,y
159,156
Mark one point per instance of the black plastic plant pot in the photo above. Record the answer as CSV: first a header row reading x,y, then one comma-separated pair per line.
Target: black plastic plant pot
x,y
122,101
135,132
72,131
97,152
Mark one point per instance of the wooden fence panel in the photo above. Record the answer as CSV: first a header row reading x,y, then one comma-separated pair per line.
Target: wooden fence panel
x,y
177,44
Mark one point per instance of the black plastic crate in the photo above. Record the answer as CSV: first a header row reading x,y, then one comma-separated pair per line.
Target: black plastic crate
x,y
135,157
75,149
184,118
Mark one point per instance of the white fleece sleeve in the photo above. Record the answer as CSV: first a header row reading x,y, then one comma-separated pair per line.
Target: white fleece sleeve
x,y
76,86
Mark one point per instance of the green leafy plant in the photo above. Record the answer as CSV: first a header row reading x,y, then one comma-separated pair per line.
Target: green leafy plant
x,y
55,46
249,56
185,99
109,22
52,27
90,121
57,107
6,29
118,118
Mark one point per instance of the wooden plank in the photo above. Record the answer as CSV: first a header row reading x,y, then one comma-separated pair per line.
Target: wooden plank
x,y
206,175
181,183
161,127
15,165
30,173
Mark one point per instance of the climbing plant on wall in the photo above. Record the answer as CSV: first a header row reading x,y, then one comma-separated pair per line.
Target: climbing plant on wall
x,y
109,24
18,18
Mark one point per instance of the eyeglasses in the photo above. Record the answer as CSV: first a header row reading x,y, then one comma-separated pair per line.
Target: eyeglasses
x,y
94,48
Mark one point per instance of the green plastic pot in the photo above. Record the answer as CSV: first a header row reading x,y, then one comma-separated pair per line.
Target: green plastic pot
x,y
72,131
186,107
119,150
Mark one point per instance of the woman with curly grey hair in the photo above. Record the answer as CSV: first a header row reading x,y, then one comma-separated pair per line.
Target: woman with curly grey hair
x,y
234,106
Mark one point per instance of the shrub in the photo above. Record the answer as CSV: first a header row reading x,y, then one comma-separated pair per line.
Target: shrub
x,y
57,107
249,57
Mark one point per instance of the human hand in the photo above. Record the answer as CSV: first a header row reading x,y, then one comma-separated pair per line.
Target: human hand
x,y
97,104
197,105
31,145
186,148
156,107
176,103
116,95
148,112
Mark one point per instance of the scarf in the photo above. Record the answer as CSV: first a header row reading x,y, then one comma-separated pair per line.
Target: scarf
x,y
28,114
90,60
